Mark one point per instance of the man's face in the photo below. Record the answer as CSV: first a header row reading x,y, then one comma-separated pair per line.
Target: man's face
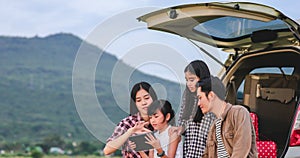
x,y
203,101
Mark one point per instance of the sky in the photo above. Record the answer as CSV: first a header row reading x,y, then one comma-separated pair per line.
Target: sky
x,y
93,19
44,17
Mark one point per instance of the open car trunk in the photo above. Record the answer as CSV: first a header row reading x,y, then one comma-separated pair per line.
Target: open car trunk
x,y
258,39
271,96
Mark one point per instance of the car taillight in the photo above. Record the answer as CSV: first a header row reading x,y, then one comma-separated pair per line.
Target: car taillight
x,y
295,136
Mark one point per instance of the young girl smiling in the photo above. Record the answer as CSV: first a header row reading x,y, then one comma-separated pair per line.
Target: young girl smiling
x,y
165,143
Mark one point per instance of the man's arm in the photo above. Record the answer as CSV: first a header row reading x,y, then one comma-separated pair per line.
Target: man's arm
x,y
243,136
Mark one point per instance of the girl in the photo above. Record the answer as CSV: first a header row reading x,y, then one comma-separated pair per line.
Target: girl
x,y
165,144
191,119
142,95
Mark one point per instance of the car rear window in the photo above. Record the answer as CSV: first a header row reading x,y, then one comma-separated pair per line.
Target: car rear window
x,y
274,70
234,27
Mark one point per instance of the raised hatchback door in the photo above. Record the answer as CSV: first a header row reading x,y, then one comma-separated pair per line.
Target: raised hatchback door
x,y
236,27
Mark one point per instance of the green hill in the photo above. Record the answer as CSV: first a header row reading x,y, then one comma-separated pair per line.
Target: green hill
x,y
36,88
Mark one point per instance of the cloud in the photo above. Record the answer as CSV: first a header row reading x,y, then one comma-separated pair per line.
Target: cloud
x,y
101,8
31,17
35,17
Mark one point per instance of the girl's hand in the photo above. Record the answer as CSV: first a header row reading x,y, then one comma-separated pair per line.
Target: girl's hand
x,y
152,141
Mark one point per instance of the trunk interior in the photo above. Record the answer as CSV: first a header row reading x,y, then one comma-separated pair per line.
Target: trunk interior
x,y
271,96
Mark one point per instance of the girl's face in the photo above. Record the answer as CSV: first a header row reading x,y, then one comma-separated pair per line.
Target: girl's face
x,y
158,121
191,81
142,101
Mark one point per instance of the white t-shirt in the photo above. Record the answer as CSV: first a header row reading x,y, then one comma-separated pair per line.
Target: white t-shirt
x,y
163,138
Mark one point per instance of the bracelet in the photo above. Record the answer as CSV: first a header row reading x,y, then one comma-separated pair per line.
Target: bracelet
x,y
161,154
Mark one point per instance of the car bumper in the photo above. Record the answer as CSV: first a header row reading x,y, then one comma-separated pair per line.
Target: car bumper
x,y
293,152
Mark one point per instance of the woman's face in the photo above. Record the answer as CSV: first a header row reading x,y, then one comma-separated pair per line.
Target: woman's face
x,y
142,101
191,81
158,121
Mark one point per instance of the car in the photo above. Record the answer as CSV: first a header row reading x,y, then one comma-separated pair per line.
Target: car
x,y
262,69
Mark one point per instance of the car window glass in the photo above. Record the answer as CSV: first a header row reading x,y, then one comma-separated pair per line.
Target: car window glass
x,y
234,27
274,70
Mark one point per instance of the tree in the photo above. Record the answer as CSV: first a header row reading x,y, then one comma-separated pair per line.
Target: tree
x,y
53,141
86,148
35,151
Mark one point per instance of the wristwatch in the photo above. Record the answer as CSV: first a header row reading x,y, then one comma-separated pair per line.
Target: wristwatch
x,y
161,154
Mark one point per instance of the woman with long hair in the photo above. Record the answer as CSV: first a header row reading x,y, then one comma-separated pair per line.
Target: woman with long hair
x,y
193,124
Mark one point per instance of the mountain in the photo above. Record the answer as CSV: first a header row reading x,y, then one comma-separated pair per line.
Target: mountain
x,y
36,88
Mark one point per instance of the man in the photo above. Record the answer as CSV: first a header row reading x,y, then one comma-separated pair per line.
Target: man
x,y
232,134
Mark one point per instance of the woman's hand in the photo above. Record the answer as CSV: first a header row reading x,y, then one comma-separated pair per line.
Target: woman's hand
x,y
139,128
115,144
152,141
131,145
175,130
173,136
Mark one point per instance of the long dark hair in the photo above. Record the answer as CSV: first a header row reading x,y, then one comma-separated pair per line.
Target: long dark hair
x,y
142,85
200,69
165,107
